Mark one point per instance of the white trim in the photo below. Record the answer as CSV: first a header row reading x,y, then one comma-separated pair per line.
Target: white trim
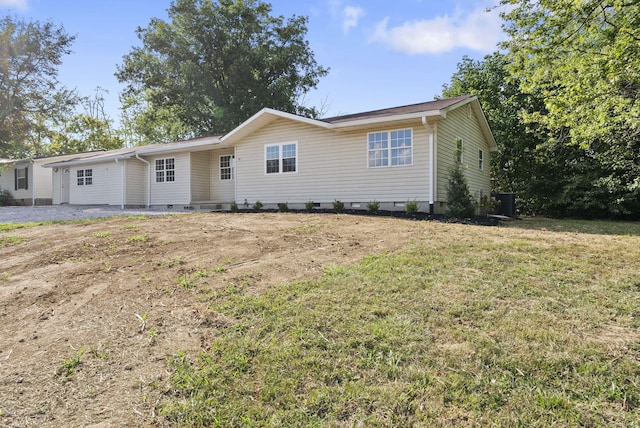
x,y
390,149
280,158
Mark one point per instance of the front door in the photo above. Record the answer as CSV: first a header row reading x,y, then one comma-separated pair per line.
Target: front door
x,y
65,183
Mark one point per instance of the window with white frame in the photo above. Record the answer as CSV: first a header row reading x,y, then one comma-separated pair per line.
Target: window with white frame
x,y
84,177
165,170
21,178
480,159
390,148
226,167
281,158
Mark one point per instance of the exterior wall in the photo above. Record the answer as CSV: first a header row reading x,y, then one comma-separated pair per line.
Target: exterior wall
x,y
200,176
331,166
21,196
462,123
56,190
42,182
136,177
7,178
222,191
176,192
106,188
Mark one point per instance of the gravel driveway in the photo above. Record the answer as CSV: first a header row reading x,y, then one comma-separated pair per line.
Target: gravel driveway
x,y
67,212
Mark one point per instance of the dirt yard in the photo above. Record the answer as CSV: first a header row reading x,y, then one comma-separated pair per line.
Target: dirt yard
x,y
90,312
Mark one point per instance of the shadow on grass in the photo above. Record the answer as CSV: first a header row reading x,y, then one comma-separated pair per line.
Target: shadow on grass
x,y
594,227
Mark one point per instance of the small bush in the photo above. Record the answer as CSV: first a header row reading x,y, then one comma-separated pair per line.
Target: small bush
x,y
338,206
6,199
258,206
309,205
411,207
460,202
373,207
488,205
283,207
234,207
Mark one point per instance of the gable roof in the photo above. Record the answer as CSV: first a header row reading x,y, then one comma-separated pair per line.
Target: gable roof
x,y
433,110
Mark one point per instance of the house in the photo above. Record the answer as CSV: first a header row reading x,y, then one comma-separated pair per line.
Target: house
x,y
28,182
391,156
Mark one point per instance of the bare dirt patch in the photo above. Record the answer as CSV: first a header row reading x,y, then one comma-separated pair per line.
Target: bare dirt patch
x,y
89,312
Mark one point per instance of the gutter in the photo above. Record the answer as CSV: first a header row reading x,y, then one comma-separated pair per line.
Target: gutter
x,y
432,163
148,178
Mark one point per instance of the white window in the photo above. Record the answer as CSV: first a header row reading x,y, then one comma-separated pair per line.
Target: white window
x,y
281,158
459,150
85,177
165,170
390,148
21,178
480,159
226,167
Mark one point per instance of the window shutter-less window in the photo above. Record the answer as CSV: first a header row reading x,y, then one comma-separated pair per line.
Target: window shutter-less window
x,y
26,178
15,177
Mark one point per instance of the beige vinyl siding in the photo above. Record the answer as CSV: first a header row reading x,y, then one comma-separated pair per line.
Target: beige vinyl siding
x,y
200,176
176,192
42,181
331,166
106,187
222,191
462,123
7,178
136,178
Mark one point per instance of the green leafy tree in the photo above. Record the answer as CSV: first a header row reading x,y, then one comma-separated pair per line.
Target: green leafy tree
x,y
583,59
212,66
84,133
32,100
518,166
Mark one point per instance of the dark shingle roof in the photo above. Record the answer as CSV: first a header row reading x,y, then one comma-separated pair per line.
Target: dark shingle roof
x,y
396,111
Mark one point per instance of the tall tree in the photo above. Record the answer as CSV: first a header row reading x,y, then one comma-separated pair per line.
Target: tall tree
x,y
213,65
32,101
520,165
583,59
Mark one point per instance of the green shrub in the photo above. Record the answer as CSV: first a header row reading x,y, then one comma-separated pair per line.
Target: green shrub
x,y
488,205
338,206
412,207
309,205
5,198
234,207
460,202
258,206
283,207
373,207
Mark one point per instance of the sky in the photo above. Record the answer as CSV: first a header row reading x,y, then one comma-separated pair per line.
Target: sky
x,y
380,53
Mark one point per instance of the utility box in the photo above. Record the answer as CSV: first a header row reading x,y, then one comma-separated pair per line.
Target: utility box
x,y
507,203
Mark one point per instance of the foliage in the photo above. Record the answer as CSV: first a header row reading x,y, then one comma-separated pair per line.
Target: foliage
x,y
257,206
429,336
411,207
460,202
338,206
373,206
517,166
583,59
83,133
213,65
309,205
234,207
32,100
283,207
6,199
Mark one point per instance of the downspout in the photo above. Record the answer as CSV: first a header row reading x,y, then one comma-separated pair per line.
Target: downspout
x,y
234,171
148,179
432,163
33,183
122,178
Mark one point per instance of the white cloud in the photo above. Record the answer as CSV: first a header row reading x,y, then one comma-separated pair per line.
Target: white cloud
x,y
351,15
478,31
18,4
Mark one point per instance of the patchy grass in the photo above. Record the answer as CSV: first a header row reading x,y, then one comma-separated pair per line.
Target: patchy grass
x,y
10,240
471,326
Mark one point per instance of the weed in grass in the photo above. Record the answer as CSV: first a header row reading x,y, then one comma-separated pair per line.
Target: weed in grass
x,y
143,321
131,226
11,240
138,238
220,268
103,234
185,281
4,276
173,262
69,366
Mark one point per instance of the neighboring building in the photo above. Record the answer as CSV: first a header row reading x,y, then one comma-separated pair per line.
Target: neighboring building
x,y
28,182
391,156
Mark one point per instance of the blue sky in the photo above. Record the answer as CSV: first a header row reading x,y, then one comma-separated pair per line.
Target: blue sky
x,y
380,53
